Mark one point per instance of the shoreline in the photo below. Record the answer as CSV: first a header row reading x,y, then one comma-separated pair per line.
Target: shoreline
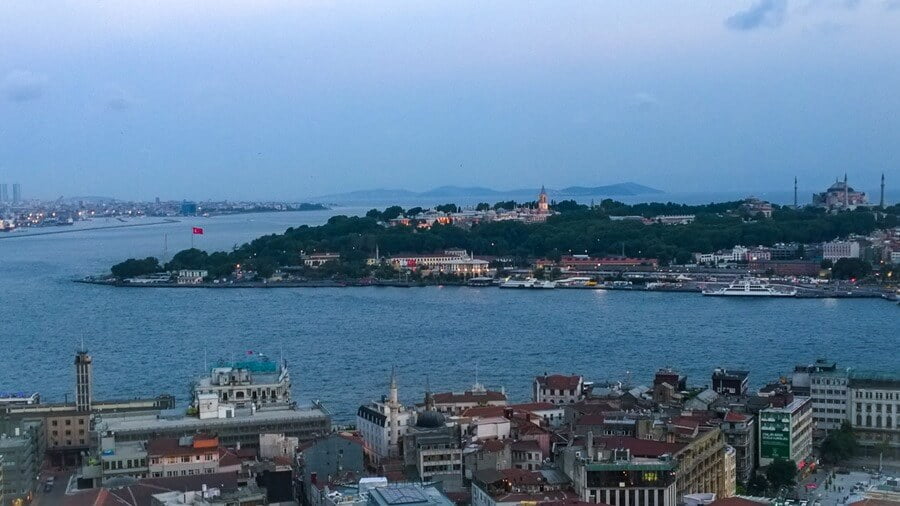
x,y
13,235
804,294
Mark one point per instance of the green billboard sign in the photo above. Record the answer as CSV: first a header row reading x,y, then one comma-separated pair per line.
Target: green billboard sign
x,y
775,435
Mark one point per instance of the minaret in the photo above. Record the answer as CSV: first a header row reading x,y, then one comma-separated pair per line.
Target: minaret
x,y
795,192
846,193
84,388
393,406
429,397
881,200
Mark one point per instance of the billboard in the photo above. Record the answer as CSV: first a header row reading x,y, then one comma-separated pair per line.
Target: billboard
x,y
775,435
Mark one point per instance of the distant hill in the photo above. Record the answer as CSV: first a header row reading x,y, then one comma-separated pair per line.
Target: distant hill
x,y
452,192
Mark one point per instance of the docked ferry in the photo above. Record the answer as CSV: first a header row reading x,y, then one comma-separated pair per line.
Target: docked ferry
x,y
750,287
529,283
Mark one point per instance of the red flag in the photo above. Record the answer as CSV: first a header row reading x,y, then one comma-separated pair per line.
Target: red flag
x,y
197,231
411,262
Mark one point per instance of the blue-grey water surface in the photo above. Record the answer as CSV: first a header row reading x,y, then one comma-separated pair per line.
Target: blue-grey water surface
x,y
341,343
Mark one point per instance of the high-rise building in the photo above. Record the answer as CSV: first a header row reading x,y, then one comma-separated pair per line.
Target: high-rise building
x,y
17,193
4,193
84,389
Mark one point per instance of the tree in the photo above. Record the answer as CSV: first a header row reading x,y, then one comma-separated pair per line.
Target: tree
x,y
851,268
758,485
483,206
782,473
413,211
374,213
132,267
839,445
391,213
446,208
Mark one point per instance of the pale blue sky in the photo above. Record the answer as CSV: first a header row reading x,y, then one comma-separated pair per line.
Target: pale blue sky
x,y
272,99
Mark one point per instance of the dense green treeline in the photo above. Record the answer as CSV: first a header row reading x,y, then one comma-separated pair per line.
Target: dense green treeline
x,y
577,229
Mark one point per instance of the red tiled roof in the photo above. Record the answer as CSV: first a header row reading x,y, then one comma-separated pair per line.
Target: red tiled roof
x,y
591,419
526,445
640,447
559,382
493,445
536,406
525,428
469,396
485,411
168,446
734,416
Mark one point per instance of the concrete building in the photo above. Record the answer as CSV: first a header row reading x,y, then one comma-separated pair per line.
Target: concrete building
x,y
874,411
382,424
21,457
615,476
739,430
277,445
785,432
326,461
513,487
830,398
84,381
237,425
4,193
122,459
190,276
261,382
836,250
316,260
455,403
730,381
16,193
407,494
558,389
184,456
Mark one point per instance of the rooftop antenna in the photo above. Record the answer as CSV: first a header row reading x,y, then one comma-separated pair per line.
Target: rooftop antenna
x,y
881,201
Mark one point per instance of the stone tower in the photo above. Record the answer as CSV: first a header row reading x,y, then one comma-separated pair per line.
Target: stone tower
x,y
84,381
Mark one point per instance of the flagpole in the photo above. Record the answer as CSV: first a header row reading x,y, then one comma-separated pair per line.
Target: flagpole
x,y
192,238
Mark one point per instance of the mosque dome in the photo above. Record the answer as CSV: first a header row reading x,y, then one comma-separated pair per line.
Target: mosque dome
x,y
431,420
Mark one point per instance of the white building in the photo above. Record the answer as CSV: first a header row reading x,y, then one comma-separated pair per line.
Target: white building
x,y
258,381
558,389
190,276
835,250
830,397
383,424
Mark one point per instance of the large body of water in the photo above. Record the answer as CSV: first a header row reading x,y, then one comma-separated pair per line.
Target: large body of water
x,y
341,343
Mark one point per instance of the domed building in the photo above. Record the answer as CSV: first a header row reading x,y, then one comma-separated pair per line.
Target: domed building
x,y
840,195
434,446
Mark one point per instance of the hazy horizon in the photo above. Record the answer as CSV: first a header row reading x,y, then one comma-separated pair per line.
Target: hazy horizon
x,y
289,100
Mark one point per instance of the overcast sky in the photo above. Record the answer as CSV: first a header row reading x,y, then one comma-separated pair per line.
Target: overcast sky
x,y
270,99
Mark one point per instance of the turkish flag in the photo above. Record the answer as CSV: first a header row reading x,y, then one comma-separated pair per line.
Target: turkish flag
x,y
411,262
197,231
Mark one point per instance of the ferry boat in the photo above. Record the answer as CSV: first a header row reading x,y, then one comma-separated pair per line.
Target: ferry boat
x,y
530,283
750,287
480,281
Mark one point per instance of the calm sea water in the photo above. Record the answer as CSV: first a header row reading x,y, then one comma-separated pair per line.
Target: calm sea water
x,y
341,343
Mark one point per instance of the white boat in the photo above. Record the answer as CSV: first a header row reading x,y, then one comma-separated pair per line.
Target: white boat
x,y
527,283
750,287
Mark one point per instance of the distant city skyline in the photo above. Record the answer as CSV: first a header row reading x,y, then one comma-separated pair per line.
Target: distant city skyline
x,y
287,100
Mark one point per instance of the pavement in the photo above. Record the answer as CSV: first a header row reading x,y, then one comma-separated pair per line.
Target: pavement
x,y
841,490
58,493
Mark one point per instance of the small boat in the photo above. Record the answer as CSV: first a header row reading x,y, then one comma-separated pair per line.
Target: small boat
x,y
480,281
528,283
750,287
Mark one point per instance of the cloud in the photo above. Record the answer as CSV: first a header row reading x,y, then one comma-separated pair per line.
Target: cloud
x,y
23,85
644,101
119,102
762,14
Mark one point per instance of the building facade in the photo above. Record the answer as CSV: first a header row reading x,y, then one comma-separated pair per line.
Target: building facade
x,y
874,410
383,424
558,389
786,432
740,434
